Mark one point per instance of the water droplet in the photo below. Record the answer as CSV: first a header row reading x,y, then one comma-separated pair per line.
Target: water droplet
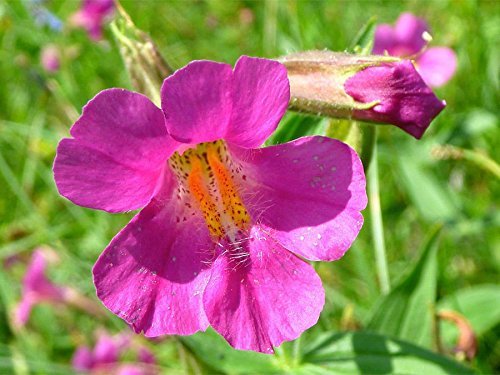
x,y
333,169
315,157
174,259
301,238
319,236
295,272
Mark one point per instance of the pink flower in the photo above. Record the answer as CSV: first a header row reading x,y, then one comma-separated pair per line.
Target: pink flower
x,y
36,288
436,65
50,59
104,358
92,15
225,224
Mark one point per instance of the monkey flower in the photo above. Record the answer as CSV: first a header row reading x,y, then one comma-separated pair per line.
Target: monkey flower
x,y
92,15
225,225
436,65
37,288
104,358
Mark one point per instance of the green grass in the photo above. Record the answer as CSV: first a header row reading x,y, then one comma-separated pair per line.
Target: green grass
x,y
417,190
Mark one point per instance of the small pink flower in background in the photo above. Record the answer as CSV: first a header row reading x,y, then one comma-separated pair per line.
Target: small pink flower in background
x,y
436,65
225,224
37,288
104,358
50,58
92,15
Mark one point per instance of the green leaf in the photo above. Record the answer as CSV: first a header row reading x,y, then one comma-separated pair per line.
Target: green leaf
x,y
294,126
213,351
407,312
478,304
370,353
429,195
363,41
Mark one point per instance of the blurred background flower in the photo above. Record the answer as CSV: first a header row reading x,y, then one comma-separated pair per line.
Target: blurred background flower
x,y
409,38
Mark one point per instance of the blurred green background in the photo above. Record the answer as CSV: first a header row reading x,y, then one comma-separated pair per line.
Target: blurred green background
x,y
421,185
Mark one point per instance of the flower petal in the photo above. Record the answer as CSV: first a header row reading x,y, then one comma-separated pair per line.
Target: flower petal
x,y
437,65
404,98
307,193
106,350
408,31
197,101
261,93
117,155
83,359
384,40
273,297
154,271
23,310
36,283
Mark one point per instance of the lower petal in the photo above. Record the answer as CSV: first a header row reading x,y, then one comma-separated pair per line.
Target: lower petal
x,y
270,297
154,271
307,194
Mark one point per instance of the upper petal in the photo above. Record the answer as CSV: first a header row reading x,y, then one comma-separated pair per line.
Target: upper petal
x,y
408,31
437,65
307,194
197,101
117,154
384,39
270,297
404,98
154,271
261,93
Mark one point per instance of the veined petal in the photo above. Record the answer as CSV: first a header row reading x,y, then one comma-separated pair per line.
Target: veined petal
x,y
154,271
437,65
117,154
261,93
258,302
197,101
307,194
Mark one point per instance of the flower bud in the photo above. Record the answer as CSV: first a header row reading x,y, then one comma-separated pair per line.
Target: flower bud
x,y
144,63
379,89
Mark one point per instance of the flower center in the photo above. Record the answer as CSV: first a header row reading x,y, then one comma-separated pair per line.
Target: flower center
x,y
207,175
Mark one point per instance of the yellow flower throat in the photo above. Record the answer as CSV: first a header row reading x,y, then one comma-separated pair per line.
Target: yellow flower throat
x,y
205,174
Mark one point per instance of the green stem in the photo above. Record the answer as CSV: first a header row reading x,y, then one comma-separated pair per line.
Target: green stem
x,y
377,223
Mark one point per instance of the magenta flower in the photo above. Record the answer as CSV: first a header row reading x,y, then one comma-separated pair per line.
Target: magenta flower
x,y
36,288
225,224
50,59
92,15
436,65
104,358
